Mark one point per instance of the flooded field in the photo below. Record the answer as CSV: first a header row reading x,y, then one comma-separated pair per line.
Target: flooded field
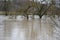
x,y
20,28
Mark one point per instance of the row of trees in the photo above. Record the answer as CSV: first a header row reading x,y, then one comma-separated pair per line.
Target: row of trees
x,y
34,8
31,8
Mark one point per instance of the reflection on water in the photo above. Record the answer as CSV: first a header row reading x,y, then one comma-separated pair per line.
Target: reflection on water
x,y
33,29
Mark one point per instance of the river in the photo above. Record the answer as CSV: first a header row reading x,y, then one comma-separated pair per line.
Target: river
x,y
20,28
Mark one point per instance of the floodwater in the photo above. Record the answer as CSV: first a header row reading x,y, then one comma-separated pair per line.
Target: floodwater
x,y
31,29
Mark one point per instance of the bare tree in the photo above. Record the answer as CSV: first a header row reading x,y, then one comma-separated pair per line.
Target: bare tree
x,y
6,6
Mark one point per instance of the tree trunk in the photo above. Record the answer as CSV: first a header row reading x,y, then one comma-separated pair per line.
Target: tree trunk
x,y
27,17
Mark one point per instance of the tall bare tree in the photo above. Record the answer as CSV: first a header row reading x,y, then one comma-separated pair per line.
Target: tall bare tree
x,y
6,6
